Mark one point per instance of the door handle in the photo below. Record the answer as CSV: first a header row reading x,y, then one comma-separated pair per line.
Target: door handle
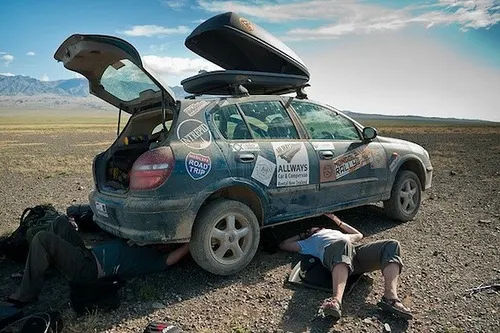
x,y
245,158
326,154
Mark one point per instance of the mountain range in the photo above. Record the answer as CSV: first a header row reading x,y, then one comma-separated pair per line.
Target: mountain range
x,y
27,93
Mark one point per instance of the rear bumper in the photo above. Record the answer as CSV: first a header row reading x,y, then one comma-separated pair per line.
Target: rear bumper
x,y
144,220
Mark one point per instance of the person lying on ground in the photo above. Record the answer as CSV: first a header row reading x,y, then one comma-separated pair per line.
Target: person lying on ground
x,y
62,247
336,251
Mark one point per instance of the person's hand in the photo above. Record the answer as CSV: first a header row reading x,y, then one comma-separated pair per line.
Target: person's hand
x,y
334,218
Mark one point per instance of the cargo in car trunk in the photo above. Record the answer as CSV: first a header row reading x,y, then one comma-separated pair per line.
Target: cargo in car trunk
x,y
143,132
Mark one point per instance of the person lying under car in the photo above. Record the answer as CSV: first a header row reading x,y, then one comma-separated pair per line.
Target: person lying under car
x,y
62,247
337,252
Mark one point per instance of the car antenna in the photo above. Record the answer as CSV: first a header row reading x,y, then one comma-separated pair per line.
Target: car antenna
x,y
163,111
119,119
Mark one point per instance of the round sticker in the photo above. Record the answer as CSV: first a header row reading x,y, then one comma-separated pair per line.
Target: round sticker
x,y
246,24
194,134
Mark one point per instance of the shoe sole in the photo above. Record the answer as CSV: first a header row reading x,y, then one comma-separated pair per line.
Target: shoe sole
x,y
388,308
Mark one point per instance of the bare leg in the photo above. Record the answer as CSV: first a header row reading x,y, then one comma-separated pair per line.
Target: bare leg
x,y
391,274
339,278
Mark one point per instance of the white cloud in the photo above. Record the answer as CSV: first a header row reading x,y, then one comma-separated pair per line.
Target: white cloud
x,y
155,30
3,52
360,17
30,53
176,4
7,74
394,74
174,66
198,21
44,78
7,59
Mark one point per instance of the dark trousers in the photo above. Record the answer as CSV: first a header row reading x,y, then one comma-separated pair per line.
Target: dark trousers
x,y
363,258
62,248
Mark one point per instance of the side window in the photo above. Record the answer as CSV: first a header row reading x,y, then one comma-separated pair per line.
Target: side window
x,y
269,120
230,124
323,123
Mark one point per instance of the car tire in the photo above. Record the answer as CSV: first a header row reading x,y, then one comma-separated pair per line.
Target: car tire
x,y
225,237
406,196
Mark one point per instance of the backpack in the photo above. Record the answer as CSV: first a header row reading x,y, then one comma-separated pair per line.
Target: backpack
x,y
83,215
103,294
33,220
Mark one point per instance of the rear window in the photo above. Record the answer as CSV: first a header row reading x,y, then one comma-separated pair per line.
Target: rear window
x,y
126,81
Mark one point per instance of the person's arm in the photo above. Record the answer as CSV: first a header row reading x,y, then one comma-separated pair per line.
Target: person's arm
x,y
292,244
353,234
177,254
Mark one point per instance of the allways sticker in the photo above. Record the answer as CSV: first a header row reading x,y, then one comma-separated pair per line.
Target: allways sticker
x,y
292,163
197,165
194,134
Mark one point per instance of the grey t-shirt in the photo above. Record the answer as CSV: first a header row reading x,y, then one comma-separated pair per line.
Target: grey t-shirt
x,y
315,244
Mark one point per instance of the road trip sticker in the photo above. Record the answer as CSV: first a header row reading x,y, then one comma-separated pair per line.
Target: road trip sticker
x,y
378,157
194,108
197,165
194,134
345,164
263,170
292,163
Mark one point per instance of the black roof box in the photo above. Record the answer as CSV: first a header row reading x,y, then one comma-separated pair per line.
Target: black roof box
x,y
234,43
257,83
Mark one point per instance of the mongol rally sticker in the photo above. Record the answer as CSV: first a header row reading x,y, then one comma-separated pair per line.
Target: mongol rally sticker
x,y
194,134
197,165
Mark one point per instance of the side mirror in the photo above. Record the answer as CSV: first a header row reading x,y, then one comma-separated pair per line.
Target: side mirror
x,y
369,133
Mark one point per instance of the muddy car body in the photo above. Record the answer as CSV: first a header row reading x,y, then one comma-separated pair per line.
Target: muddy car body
x,y
213,171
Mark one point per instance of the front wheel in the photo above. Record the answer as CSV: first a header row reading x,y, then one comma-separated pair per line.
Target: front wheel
x,y
406,195
225,237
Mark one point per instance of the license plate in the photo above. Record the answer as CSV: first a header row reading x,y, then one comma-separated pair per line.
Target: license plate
x,y
101,209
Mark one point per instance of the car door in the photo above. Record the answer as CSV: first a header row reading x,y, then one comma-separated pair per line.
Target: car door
x,y
262,146
352,170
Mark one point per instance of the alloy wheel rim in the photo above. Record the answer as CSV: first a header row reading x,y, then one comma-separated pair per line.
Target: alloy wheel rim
x,y
408,196
230,239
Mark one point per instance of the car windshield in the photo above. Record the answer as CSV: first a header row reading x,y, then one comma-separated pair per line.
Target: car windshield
x,y
126,81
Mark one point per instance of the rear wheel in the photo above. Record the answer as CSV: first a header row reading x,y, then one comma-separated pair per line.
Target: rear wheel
x,y
225,237
406,195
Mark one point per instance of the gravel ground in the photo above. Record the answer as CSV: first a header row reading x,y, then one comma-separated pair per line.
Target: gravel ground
x,y
451,246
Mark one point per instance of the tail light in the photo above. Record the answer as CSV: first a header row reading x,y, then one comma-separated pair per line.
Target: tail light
x,y
152,169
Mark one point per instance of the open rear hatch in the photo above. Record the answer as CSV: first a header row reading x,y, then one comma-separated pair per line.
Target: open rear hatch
x,y
250,55
117,75
115,71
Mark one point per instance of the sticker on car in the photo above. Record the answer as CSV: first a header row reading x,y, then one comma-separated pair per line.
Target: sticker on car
x,y
195,108
101,209
194,134
345,164
245,146
292,163
263,170
323,145
198,165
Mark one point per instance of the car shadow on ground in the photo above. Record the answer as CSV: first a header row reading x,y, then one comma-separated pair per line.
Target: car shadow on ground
x,y
187,280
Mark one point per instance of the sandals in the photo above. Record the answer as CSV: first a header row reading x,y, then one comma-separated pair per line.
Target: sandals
x,y
331,308
396,307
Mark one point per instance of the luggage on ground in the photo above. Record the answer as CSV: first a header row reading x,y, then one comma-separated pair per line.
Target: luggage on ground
x,y
103,294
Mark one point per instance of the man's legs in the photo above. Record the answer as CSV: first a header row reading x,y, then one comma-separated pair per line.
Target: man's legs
x,y
384,255
47,249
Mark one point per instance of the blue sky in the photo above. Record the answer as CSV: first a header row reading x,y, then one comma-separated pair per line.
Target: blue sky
x,y
430,58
